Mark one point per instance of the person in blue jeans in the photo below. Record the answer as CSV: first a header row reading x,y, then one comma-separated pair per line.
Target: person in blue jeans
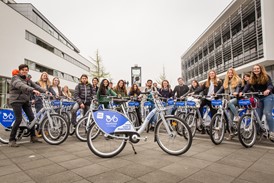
x,y
260,81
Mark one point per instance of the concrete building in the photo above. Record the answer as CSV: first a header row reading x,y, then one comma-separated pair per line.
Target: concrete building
x,y
241,36
27,36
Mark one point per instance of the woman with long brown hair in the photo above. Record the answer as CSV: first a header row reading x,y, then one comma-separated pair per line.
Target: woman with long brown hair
x,y
120,89
260,81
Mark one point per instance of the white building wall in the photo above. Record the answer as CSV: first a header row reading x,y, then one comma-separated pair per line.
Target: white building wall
x,y
268,28
15,48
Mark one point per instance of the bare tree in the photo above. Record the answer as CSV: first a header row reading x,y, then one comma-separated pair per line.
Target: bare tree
x,y
97,67
162,76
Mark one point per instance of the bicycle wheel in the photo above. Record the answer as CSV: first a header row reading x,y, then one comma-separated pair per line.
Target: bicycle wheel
x,y
56,133
134,119
82,129
217,129
180,139
4,134
191,120
247,131
181,115
103,145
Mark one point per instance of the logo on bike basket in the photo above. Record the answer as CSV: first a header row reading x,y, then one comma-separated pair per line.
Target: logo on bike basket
x,y
110,119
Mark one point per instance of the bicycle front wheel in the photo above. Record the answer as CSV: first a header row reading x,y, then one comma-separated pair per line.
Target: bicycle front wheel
x,y
247,131
217,129
57,132
178,141
82,129
191,120
134,119
104,145
4,134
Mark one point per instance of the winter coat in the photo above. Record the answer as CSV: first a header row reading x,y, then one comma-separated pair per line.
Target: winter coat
x,y
83,94
21,89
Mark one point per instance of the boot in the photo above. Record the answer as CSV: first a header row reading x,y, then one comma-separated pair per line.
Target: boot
x,y
34,139
13,143
230,137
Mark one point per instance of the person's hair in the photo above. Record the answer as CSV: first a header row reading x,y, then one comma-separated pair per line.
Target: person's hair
x,y
149,80
102,88
84,75
262,79
207,83
53,81
132,88
68,94
95,78
121,89
167,83
42,83
22,66
243,80
180,78
195,81
234,80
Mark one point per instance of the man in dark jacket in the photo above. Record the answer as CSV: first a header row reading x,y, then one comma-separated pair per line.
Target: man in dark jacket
x,y
83,96
180,89
21,89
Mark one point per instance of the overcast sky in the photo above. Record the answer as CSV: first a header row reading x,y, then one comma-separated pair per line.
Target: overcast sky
x,y
151,33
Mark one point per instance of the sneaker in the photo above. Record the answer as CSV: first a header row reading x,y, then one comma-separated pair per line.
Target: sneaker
x,y
13,144
230,137
236,118
271,135
34,139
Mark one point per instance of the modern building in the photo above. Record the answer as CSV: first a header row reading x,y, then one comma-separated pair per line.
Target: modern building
x,y
27,36
241,36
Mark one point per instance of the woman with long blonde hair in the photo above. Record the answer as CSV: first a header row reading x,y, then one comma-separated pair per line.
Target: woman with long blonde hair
x,y
232,85
66,92
260,81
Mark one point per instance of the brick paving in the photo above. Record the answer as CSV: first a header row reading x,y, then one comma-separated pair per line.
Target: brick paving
x,y
72,161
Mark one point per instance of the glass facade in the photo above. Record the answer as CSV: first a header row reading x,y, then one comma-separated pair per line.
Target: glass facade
x,y
237,41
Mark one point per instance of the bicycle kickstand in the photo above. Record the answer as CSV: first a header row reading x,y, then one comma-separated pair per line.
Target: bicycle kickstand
x,y
133,147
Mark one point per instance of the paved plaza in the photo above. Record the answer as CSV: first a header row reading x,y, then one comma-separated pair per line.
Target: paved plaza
x,y
72,161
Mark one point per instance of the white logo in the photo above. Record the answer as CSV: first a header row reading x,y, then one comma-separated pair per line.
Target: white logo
x,y
7,116
110,119
100,115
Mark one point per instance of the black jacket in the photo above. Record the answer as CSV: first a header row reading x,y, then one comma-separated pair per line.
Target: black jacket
x,y
83,93
204,89
180,90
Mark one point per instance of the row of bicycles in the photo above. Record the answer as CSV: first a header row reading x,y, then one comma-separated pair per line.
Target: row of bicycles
x,y
106,131
249,127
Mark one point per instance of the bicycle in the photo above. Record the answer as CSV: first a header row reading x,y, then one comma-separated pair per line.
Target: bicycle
x,y
222,120
116,134
249,122
53,126
194,118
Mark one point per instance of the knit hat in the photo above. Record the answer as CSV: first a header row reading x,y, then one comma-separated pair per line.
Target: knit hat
x,y
14,72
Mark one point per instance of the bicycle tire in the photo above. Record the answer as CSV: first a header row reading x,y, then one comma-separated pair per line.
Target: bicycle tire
x,y
191,120
59,133
161,134
134,119
247,136
81,129
4,134
103,145
217,129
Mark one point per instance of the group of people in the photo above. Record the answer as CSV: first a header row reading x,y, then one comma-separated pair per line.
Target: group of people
x,y
23,92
